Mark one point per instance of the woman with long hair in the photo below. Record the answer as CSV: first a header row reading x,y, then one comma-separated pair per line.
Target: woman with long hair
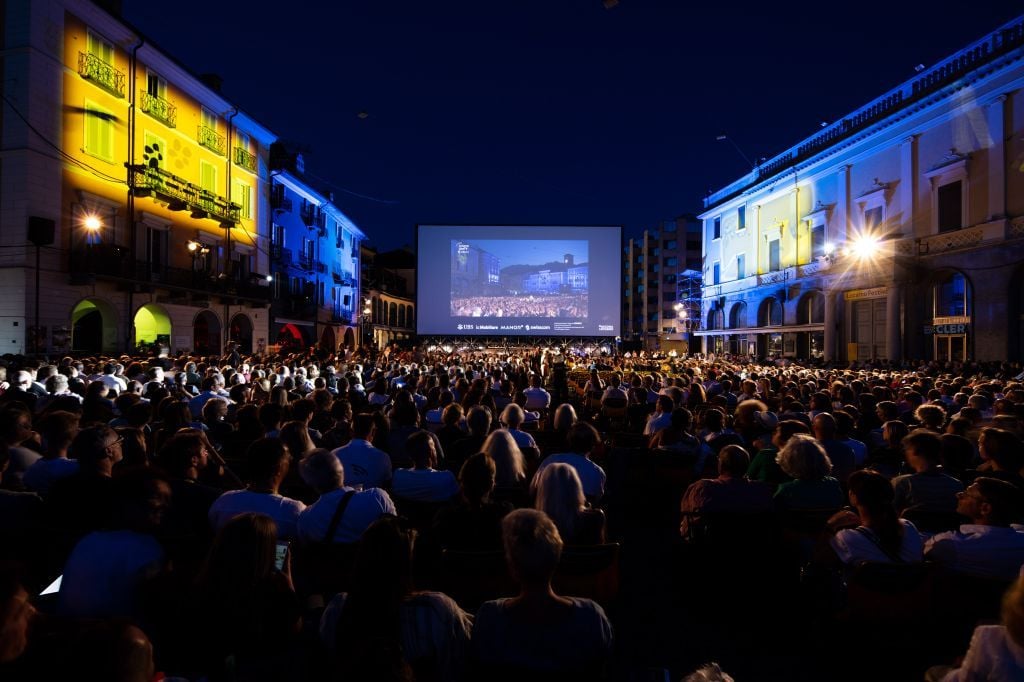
x,y
875,532
383,629
508,459
242,605
560,496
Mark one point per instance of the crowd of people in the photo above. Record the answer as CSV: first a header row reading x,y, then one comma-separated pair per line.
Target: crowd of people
x,y
290,518
573,306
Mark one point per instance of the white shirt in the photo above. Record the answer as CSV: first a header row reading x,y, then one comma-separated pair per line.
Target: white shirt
x,y
591,475
656,422
522,438
983,551
853,546
537,398
284,510
424,485
364,464
41,475
993,655
104,571
364,508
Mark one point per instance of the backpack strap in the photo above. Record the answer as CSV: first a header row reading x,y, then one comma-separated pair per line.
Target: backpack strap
x,y
338,513
870,535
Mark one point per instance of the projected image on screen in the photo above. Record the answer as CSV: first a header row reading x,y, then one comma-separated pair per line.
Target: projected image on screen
x,y
519,280
505,278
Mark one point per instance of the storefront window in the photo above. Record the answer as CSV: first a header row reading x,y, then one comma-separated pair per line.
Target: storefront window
x,y
951,296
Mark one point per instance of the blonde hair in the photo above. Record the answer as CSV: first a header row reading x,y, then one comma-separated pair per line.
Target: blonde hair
x,y
560,496
508,458
803,458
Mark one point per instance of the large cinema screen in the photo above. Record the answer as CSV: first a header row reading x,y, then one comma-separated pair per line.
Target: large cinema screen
x,y
519,281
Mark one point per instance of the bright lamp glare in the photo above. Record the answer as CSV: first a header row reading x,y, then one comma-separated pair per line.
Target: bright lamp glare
x,y
864,247
270,278
830,248
91,222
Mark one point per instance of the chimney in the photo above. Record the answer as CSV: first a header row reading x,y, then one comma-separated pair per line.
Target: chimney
x,y
212,81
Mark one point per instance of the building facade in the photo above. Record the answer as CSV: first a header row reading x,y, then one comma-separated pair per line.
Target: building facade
x,y
133,195
315,259
895,233
661,276
389,298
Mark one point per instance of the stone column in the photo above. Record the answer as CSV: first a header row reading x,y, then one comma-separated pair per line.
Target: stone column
x,y
906,186
842,205
996,158
830,326
894,345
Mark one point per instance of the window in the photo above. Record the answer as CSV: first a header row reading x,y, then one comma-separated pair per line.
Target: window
x,y
277,235
716,277
656,252
155,85
717,229
950,206
951,296
741,218
278,286
209,119
671,245
99,131
156,248
100,48
817,241
320,293
243,141
640,289
741,266
308,249
873,218
208,177
671,262
670,279
773,256
153,150
242,195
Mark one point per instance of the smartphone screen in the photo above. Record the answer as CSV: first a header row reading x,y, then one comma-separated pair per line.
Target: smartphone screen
x,y
53,587
281,553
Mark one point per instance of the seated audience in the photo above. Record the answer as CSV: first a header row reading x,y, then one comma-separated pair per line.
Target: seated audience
x,y
560,496
341,513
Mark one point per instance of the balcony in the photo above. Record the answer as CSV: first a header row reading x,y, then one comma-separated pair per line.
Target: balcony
x,y
180,195
245,160
211,139
321,268
305,262
159,108
279,202
312,216
91,67
111,262
281,255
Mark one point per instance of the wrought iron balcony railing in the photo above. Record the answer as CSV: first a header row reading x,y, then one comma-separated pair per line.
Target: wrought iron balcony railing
x,y
100,72
212,140
182,195
244,159
108,261
158,108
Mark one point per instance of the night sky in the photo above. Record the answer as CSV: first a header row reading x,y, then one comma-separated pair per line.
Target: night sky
x,y
549,111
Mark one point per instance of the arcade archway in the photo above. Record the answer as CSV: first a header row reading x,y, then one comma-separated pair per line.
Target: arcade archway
x,y
240,331
206,334
93,326
290,339
327,340
350,339
152,325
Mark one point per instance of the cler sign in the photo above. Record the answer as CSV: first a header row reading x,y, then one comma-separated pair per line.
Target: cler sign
x,y
950,329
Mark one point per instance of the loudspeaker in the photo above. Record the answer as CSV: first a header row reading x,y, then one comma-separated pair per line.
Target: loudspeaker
x,y
40,230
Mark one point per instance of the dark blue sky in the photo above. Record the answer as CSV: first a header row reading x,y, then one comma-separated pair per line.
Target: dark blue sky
x,y
549,111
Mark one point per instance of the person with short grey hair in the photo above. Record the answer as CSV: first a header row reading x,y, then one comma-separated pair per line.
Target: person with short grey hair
x,y
812,486
539,631
356,509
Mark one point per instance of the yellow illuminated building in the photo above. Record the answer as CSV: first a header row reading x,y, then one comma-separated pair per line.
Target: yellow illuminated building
x,y
144,190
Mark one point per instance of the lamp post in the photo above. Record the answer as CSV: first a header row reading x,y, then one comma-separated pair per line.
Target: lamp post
x,y
367,320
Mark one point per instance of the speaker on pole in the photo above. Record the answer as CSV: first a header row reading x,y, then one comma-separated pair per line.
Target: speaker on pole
x,y
40,230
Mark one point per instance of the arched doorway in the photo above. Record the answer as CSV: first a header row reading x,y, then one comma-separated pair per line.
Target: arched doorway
x,y
290,339
240,331
152,326
206,334
327,340
770,314
93,327
350,339
810,310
